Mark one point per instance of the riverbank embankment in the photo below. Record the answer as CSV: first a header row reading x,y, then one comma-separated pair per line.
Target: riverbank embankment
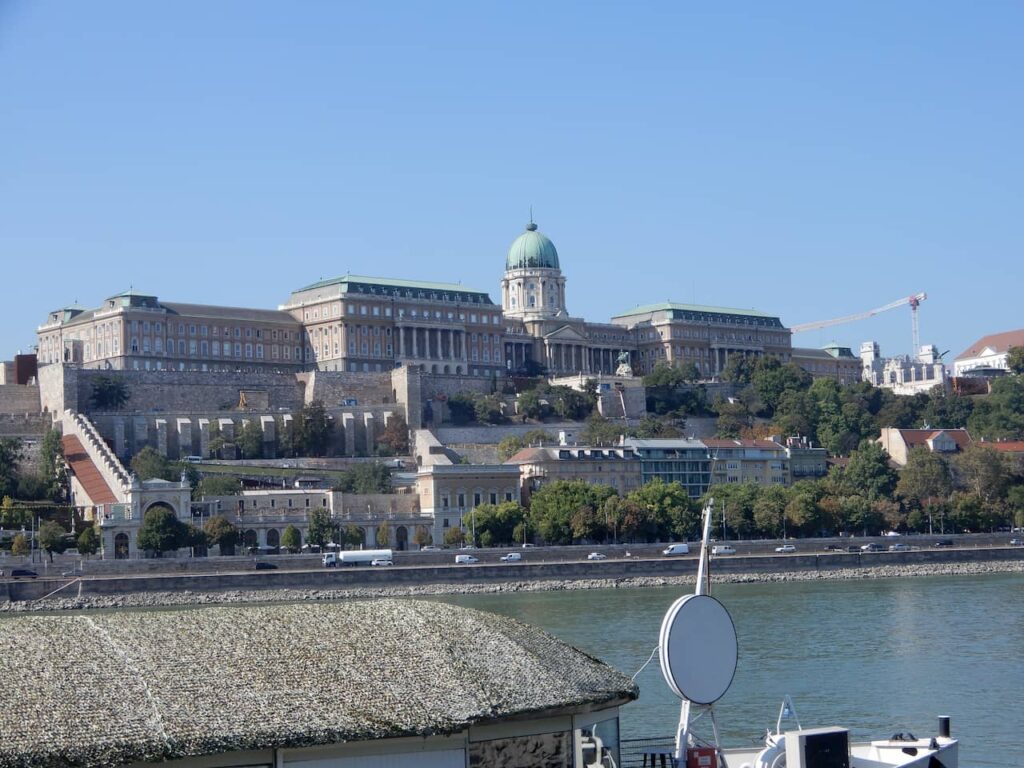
x,y
155,598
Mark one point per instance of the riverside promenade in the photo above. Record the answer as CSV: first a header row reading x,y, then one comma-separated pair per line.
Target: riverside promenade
x,y
244,584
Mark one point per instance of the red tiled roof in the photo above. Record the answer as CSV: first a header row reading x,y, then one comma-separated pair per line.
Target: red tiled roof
x,y
1000,342
1008,446
528,455
914,437
88,475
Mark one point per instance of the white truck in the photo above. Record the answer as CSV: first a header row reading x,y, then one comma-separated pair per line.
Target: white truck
x,y
355,557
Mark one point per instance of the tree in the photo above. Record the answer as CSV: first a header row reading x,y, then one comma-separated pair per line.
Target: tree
x,y
668,509
250,440
925,480
461,408
454,537
12,515
394,440
489,409
109,393
1015,360
353,537
10,456
868,472
1000,415
770,512
733,418
51,538
291,539
221,532
495,524
217,485
983,471
365,477
571,404
422,537
654,427
147,464
51,466
601,431
513,444
88,542
771,379
19,546
161,531
554,504
738,369
383,534
312,430
530,406
322,530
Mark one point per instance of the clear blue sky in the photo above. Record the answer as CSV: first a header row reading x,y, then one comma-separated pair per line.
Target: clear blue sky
x,y
805,159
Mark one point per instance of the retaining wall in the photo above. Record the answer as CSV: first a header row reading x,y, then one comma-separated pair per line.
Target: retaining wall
x,y
19,399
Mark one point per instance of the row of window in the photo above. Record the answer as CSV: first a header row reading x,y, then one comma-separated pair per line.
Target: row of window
x,y
192,329
363,310
204,348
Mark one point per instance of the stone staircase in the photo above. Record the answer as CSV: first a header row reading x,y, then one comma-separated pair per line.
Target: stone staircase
x,y
96,467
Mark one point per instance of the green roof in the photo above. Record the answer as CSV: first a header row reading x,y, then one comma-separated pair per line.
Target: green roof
x,y
667,306
389,285
532,249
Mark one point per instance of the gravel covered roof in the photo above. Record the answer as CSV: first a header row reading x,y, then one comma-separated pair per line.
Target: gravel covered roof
x,y
109,689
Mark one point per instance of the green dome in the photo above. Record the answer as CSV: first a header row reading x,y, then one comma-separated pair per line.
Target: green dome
x,y
532,249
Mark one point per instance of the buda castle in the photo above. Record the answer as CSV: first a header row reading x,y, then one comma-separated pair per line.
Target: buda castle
x,y
369,324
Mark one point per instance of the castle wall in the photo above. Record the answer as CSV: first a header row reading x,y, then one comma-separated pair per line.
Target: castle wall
x,y
19,398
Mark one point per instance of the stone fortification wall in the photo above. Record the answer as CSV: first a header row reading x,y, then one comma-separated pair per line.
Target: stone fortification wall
x,y
335,387
31,425
492,435
16,398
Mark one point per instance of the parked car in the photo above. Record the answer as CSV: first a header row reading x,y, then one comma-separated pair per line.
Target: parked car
x,y
528,546
723,549
262,565
1017,542
381,561
597,556
23,573
872,547
512,557
430,548
786,548
465,560
900,547
833,548
944,543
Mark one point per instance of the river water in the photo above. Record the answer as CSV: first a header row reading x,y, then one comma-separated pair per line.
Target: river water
x,y
876,656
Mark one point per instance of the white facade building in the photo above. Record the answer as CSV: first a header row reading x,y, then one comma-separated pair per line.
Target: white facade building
x,y
903,375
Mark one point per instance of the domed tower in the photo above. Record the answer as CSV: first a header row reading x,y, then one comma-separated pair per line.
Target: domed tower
x,y
533,285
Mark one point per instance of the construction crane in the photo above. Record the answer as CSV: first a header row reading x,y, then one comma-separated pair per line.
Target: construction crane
x,y
914,302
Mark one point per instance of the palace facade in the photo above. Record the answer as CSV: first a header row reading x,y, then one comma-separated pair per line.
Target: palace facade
x,y
355,323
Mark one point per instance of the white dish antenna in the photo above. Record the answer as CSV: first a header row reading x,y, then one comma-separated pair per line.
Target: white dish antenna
x,y
698,649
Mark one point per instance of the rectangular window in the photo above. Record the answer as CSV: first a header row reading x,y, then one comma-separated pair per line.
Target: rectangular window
x,y
204,330
248,351
477,499
238,349
204,348
192,347
259,351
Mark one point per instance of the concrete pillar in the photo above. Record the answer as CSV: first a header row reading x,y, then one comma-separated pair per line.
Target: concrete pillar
x,y
120,447
287,427
184,427
227,433
161,436
204,437
269,428
140,434
370,430
401,340
348,424
415,350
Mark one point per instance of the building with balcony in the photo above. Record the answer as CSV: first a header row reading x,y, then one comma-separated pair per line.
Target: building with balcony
x,y
617,467
674,460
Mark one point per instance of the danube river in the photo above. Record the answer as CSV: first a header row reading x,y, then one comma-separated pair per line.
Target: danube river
x,y
876,656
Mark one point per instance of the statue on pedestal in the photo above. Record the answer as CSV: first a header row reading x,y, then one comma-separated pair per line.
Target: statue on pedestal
x,y
624,369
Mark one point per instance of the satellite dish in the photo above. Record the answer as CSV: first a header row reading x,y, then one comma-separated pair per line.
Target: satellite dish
x,y
698,649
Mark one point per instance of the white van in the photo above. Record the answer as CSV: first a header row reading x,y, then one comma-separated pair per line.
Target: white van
x,y
465,560
676,549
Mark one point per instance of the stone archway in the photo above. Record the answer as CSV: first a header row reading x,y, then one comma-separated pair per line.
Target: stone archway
x,y
401,538
250,539
273,539
121,549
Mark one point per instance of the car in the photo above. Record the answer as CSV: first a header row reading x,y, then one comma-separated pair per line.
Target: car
x,y
430,548
872,547
723,549
676,549
465,560
467,546
833,548
528,546
1017,542
900,547
892,533
944,543
23,573
786,548
381,561
512,557
597,556
262,565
